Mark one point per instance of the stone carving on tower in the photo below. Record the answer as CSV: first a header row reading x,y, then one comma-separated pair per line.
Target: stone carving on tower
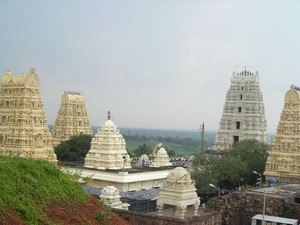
x,y
72,118
24,130
179,191
283,161
108,148
243,112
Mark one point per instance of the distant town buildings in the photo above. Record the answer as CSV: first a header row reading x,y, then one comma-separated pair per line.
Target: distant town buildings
x,y
23,125
72,118
108,149
243,112
284,159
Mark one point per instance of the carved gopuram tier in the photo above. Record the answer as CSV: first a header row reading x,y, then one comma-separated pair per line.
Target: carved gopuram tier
x,y
108,149
243,112
23,125
284,159
72,118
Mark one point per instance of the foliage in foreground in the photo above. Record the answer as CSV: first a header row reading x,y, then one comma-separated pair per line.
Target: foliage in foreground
x,y
29,187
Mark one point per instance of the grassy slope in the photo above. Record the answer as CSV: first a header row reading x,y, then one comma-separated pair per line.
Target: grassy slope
x,y
29,188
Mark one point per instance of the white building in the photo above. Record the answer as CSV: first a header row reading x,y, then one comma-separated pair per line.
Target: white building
x,y
243,112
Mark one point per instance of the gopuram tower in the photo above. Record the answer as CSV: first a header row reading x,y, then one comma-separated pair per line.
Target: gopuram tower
x,y
23,125
108,148
284,158
243,112
72,118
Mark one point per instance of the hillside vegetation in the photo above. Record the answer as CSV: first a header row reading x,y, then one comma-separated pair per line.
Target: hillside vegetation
x,y
37,192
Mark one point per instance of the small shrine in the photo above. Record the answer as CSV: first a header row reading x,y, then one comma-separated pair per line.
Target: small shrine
x,y
161,158
108,148
110,196
178,191
144,160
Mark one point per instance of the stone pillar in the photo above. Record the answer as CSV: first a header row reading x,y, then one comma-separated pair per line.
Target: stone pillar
x,y
160,208
181,209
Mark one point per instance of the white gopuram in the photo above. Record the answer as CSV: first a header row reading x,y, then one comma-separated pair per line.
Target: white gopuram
x,y
284,157
72,118
108,149
243,112
110,196
24,129
161,158
178,191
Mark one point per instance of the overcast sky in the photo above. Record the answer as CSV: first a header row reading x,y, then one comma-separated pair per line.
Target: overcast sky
x,y
154,64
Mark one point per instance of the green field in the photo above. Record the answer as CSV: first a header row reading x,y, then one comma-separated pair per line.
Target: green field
x,y
179,149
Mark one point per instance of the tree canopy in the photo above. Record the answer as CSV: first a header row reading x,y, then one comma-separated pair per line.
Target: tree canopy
x,y
245,157
74,149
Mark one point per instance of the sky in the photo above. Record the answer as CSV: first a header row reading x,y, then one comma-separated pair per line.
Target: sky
x,y
154,64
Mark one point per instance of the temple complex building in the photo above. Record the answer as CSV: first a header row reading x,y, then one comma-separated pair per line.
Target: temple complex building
x,y
243,112
24,129
72,118
283,161
108,149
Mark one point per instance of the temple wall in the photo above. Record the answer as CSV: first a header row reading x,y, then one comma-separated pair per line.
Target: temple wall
x,y
134,218
237,208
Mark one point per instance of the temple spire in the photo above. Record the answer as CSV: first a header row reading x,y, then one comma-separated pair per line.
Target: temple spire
x,y
108,115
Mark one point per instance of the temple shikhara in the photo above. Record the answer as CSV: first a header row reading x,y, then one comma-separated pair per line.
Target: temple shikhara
x,y
243,112
108,148
24,129
284,158
72,118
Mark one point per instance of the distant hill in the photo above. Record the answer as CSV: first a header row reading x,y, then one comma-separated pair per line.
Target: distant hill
x,y
37,192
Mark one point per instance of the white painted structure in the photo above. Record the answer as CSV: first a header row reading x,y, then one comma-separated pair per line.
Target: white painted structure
x,y
110,196
108,149
161,158
123,181
272,220
180,192
243,112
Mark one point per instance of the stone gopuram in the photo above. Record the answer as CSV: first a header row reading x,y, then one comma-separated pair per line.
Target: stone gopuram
x,y
108,149
23,125
243,112
72,118
178,191
284,159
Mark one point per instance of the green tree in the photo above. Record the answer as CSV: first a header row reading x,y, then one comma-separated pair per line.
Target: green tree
x,y
254,154
228,171
142,149
74,149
